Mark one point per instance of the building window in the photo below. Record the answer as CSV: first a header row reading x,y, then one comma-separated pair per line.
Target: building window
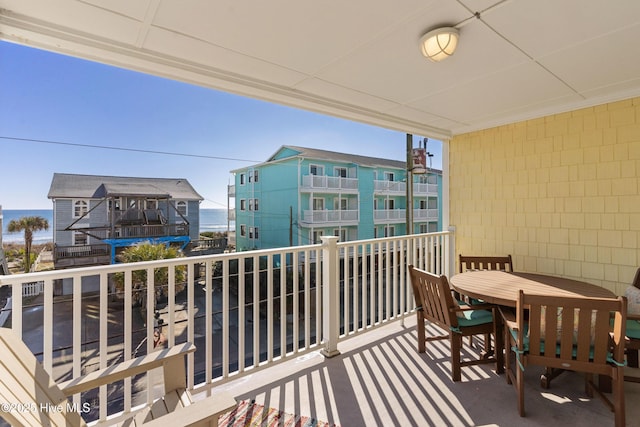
x,y
243,205
341,233
255,176
423,204
424,228
432,227
389,176
340,204
242,179
253,232
316,170
318,204
317,234
80,208
250,204
255,204
181,207
341,172
433,203
79,239
152,204
389,204
243,230
389,231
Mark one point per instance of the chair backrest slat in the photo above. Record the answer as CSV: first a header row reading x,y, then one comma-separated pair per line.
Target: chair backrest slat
x,y
433,293
503,263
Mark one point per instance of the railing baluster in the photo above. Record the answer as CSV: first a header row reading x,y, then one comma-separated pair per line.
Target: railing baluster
x,y
77,331
104,337
225,318
241,307
150,327
208,324
128,335
256,310
270,337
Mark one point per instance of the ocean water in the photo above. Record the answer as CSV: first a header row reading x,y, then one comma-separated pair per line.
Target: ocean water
x,y
210,220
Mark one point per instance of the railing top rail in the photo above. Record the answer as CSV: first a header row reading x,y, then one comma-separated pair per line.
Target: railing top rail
x,y
114,268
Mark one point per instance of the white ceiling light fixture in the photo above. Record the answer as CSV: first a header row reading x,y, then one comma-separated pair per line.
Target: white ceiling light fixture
x,y
440,43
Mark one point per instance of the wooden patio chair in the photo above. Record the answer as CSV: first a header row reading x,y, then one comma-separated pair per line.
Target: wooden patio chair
x,y
481,263
435,304
572,334
474,263
633,325
26,389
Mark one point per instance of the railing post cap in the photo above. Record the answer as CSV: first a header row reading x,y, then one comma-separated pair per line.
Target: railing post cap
x,y
329,239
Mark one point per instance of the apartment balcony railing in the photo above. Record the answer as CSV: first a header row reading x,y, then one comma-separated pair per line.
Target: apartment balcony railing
x,y
400,215
231,190
344,217
63,252
400,188
244,311
425,189
329,183
390,187
425,215
232,214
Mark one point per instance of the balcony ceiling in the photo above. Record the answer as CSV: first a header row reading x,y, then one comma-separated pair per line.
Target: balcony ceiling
x,y
359,59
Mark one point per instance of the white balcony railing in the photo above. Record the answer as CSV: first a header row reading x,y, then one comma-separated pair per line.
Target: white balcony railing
x,y
422,189
425,215
390,187
389,215
400,215
329,183
330,216
244,311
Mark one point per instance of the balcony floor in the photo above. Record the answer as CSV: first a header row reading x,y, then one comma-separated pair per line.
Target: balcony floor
x,y
380,379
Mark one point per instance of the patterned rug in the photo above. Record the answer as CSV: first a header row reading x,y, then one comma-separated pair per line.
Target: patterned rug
x,y
250,414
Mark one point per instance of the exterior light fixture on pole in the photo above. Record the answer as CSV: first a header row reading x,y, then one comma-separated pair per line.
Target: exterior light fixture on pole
x,y
440,43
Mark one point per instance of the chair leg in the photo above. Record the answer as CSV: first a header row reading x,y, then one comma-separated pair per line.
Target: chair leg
x,y
421,333
456,346
520,387
498,347
507,354
618,398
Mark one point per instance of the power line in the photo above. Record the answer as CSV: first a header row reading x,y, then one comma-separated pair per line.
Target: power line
x,y
137,150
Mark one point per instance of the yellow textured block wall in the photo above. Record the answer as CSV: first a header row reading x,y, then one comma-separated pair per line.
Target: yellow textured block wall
x,y
559,193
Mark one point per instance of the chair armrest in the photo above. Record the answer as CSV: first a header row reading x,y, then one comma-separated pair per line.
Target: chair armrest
x,y
197,413
633,316
508,317
467,307
126,369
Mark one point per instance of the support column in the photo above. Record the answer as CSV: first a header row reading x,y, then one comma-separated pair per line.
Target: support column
x,y
330,296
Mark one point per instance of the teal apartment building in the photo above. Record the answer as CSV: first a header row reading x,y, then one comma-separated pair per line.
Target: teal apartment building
x,y
300,194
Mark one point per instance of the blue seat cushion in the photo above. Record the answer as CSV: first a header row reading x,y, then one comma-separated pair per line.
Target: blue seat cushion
x,y
473,317
633,329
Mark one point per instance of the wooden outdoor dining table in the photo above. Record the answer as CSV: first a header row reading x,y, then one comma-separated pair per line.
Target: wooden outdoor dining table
x,y
502,288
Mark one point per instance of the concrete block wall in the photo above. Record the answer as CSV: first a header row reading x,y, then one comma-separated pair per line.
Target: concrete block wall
x,y
559,193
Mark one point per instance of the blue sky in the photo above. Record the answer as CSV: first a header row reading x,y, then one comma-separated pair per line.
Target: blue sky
x,y
51,97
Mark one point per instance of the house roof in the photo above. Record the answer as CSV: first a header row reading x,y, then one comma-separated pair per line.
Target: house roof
x,y
65,185
334,156
360,59
283,153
